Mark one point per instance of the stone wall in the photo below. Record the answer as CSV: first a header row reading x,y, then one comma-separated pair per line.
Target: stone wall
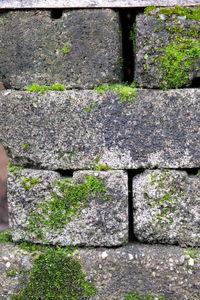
x,y
108,167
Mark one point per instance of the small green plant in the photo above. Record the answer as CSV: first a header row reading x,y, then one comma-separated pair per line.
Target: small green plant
x,y
192,253
36,88
55,275
136,296
15,170
65,49
91,107
65,203
5,237
29,183
124,92
26,146
97,160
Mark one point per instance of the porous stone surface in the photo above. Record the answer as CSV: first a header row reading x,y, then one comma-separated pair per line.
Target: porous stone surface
x,y
167,207
154,33
82,129
157,270
102,220
32,44
12,259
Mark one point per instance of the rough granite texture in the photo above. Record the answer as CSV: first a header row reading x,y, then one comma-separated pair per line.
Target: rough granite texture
x,y
167,207
81,129
154,33
159,270
98,222
32,43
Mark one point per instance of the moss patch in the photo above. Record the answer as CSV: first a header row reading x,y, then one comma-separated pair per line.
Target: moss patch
x,y
15,170
53,214
136,296
124,92
65,48
55,275
29,183
5,237
36,88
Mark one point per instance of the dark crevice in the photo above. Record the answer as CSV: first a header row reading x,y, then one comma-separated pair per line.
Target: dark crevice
x,y
191,171
127,19
131,173
65,173
196,82
56,13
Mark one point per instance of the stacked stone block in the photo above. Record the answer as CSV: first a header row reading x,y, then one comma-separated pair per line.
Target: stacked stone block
x,y
70,150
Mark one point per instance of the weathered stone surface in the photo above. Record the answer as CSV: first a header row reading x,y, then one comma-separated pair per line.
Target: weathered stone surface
x,y
99,220
167,207
11,259
164,48
158,270
91,3
81,49
81,129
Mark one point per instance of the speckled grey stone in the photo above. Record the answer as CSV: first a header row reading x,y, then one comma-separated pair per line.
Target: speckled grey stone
x,y
167,207
32,43
158,270
82,129
100,221
154,32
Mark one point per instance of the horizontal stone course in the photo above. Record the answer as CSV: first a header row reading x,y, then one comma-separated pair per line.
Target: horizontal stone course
x,y
158,270
82,129
166,207
100,219
165,46
74,50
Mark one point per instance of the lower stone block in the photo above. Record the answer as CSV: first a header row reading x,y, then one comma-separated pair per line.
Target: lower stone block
x,y
89,209
166,272
167,207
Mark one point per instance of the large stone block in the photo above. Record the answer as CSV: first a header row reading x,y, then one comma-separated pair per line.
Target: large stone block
x,y
81,129
81,49
89,209
167,207
166,271
167,47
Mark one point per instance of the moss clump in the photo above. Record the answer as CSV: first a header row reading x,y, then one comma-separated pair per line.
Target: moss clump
x,y
5,237
26,146
29,183
124,92
189,13
103,168
65,49
178,59
192,253
15,170
91,107
65,203
55,275
149,9
36,88
12,273
136,296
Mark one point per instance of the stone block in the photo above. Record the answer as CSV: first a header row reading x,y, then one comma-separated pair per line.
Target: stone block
x,y
167,272
81,49
167,47
82,130
89,209
167,207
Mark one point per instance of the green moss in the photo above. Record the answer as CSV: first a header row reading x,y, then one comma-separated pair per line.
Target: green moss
x,y
5,237
192,253
178,60
103,168
29,183
149,9
124,92
189,13
136,296
65,203
56,275
26,146
12,273
91,107
36,88
97,160
15,170
65,49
